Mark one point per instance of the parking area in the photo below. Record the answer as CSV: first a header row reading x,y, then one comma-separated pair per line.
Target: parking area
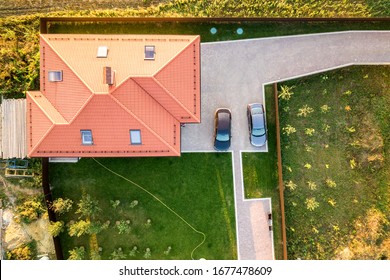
x,y
234,74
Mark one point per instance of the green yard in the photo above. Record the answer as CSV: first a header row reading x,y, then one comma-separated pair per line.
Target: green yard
x,y
224,30
197,189
335,133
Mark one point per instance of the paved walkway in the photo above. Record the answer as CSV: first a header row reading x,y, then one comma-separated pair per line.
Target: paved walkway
x,y
234,74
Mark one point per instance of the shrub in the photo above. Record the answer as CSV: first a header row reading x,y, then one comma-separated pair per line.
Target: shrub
x,y
332,202
288,130
311,203
148,253
312,185
307,166
168,250
24,252
30,210
80,228
133,251
115,203
290,185
55,228
61,206
286,92
309,131
330,183
78,253
118,254
325,108
133,203
305,111
123,226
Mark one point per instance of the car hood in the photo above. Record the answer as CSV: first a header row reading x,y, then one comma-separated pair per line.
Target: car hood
x,y
259,141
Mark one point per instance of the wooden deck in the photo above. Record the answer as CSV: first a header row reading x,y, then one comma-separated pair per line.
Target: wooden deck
x,y
13,130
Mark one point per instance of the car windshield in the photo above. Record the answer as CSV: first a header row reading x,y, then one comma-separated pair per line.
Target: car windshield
x,y
257,111
223,136
258,132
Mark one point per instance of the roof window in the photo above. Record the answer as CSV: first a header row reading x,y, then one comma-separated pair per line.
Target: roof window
x,y
55,76
86,137
135,137
102,52
149,52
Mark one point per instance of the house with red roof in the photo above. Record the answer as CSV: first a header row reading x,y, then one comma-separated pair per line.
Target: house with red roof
x,y
113,95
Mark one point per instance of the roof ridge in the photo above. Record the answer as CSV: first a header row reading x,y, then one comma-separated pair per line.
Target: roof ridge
x,y
67,64
42,138
45,111
165,89
174,98
175,56
82,108
143,123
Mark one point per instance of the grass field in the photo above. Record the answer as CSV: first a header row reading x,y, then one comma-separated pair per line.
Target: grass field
x,y
207,8
197,187
336,167
225,30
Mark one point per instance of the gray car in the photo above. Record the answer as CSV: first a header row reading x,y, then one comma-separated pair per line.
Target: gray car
x,y
257,125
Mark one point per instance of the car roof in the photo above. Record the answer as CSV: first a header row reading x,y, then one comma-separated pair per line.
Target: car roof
x,y
258,121
223,120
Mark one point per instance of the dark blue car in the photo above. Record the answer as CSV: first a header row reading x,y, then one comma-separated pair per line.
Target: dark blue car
x,y
222,129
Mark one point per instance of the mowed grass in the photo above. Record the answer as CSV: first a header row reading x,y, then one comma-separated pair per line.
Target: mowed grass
x,y
197,187
336,163
224,30
260,172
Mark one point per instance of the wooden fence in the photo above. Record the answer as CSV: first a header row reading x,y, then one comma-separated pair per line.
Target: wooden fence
x,y
13,142
280,174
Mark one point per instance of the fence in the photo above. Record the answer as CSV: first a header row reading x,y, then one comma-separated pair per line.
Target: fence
x,y
13,142
280,174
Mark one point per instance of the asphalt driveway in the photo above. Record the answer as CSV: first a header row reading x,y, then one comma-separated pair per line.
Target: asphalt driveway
x,y
234,74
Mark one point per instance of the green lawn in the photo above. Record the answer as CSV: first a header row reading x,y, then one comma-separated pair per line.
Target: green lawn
x,y
336,164
225,30
197,187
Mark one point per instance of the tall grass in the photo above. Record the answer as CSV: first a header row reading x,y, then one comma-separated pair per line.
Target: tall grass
x,y
340,170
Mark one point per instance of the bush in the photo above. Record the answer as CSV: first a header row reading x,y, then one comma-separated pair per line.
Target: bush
x,y
30,210
55,228
25,252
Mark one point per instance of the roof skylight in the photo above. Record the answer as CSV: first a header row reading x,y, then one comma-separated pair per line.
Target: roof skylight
x,y
102,51
149,52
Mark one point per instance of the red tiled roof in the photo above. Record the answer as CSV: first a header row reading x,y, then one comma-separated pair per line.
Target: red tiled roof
x,y
152,96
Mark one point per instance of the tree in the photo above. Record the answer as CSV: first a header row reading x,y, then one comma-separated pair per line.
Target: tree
x,y
80,228
55,228
78,253
30,210
61,206
21,253
87,207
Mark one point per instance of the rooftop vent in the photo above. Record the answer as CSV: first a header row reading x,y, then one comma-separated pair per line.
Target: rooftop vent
x,y
102,52
108,75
